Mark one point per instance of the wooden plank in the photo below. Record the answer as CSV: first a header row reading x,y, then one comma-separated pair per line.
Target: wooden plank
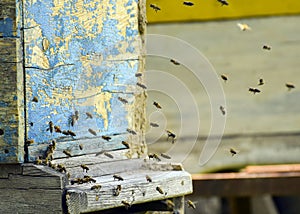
x,y
135,190
6,169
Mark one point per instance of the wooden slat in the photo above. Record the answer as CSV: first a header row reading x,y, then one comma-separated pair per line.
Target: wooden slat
x,y
273,168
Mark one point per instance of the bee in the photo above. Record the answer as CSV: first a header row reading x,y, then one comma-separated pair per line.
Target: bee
x,y
126,204
71,133
261,81
61,168
117,190
107,138
124,101
35,99
141,85
29,142
158,189
88,178
38,161
77,180
165,156
31,123
67,152
92,132
51,127
224,77
81,146
154,156
254,90
89,115
96,187
76,115
97,198
148,178
266,47
290,86
57,129
156,104
68,174
222,109
188,3
65,132
223,2
154,125
233,152
73,120
191,204
108,155
45,44
243,27
138,74
171,135
126,144
174,62
130,131
118,177
84,167
155,7
170,204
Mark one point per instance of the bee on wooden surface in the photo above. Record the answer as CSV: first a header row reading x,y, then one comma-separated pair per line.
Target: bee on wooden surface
x,y
261,81
93,132
188,3
157,105
89,115
138,74
117,190
233,152
71,133
65,132
57,129
124,101
81,146
107,138
171,135
126,144
155,7
148,178
29,142
222,109
61,168
266,47
50,127
165,156
141,85
223,2
243,27
108,155
53,144
224,77
67,152
84,167
96,187
191,204
38,161
158,189
154,156
126,204
118,177
154,125
87,179
254,90
77,181
130,131
290,86
174,62
35,99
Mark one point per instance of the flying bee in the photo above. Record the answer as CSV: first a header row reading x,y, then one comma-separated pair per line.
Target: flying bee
x,y
84,167
148,178
57,129
290,86
155,7
124,101
154,125
35,99
126,204
126,144
107,138
158,189
76,115
261,81
141,85
174,62
171,135
96,187
170,204
254,90
29,142
165,156
93,132
191,204
118,177
243,27
108,155
67,152
81,146
71,133
224,77
266,47
154,156
188,3
89,115
222,109
233,152
156,104
117,190
73,120
130,131
138,74
50,127
223,2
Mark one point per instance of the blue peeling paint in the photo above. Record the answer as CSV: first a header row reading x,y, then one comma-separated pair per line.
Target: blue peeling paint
x,y
3,104
6,27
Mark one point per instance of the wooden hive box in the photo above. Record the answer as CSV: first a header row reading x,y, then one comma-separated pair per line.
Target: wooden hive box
x,y
69,100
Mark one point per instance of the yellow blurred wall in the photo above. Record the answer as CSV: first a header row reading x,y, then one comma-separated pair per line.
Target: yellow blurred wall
x,y
175,10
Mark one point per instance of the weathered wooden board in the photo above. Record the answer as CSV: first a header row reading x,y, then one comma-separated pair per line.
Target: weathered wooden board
x,y
11,84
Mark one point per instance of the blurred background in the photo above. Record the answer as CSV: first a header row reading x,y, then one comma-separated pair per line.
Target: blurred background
x,y
244,41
